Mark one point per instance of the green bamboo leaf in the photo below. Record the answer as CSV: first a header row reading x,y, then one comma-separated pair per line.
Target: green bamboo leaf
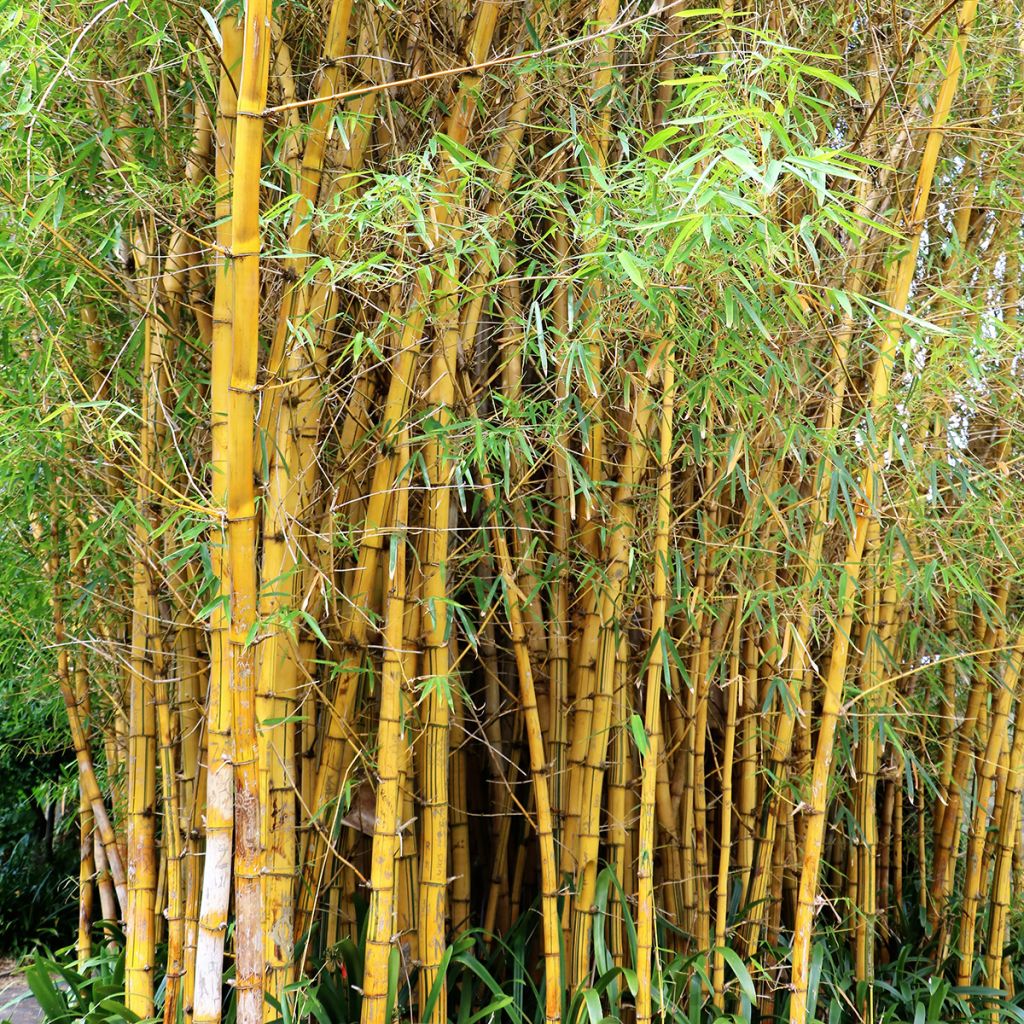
x,y
739,971
831,78
658,139
636,728
632,268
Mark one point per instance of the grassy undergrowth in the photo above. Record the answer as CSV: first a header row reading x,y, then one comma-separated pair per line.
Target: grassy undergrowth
x,y
487,980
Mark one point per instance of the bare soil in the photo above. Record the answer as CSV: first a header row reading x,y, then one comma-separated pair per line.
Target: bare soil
x,y
17,1004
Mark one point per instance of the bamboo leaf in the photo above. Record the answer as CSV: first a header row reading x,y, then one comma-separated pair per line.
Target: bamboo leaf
x,y
739,971
831,78
632,268
636,728
659,138
211,24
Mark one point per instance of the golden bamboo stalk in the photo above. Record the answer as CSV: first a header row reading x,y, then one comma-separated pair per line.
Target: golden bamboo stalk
x,y
1005,697
381,920
899,292
731,687
240,511
646,845
142,855
1008,829
438,524
550,925
216,886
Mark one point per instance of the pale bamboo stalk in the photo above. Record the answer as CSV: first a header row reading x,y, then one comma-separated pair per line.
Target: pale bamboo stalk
x,y
171,850
192,687
86,873
91,789
76,706
104,885
86,858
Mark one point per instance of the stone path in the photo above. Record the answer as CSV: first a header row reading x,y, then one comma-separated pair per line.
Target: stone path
x,y
12,987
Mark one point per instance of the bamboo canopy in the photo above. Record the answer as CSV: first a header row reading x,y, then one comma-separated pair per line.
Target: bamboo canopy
x,y
531,499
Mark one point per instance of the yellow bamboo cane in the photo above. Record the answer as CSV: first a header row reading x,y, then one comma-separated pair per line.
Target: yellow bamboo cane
x,y
241,513
1004,699
1008,828
437,666
817,799
216,886
142,856
645,920
550,926
381,920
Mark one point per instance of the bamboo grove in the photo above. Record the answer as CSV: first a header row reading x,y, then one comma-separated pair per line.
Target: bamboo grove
x,y
535,475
